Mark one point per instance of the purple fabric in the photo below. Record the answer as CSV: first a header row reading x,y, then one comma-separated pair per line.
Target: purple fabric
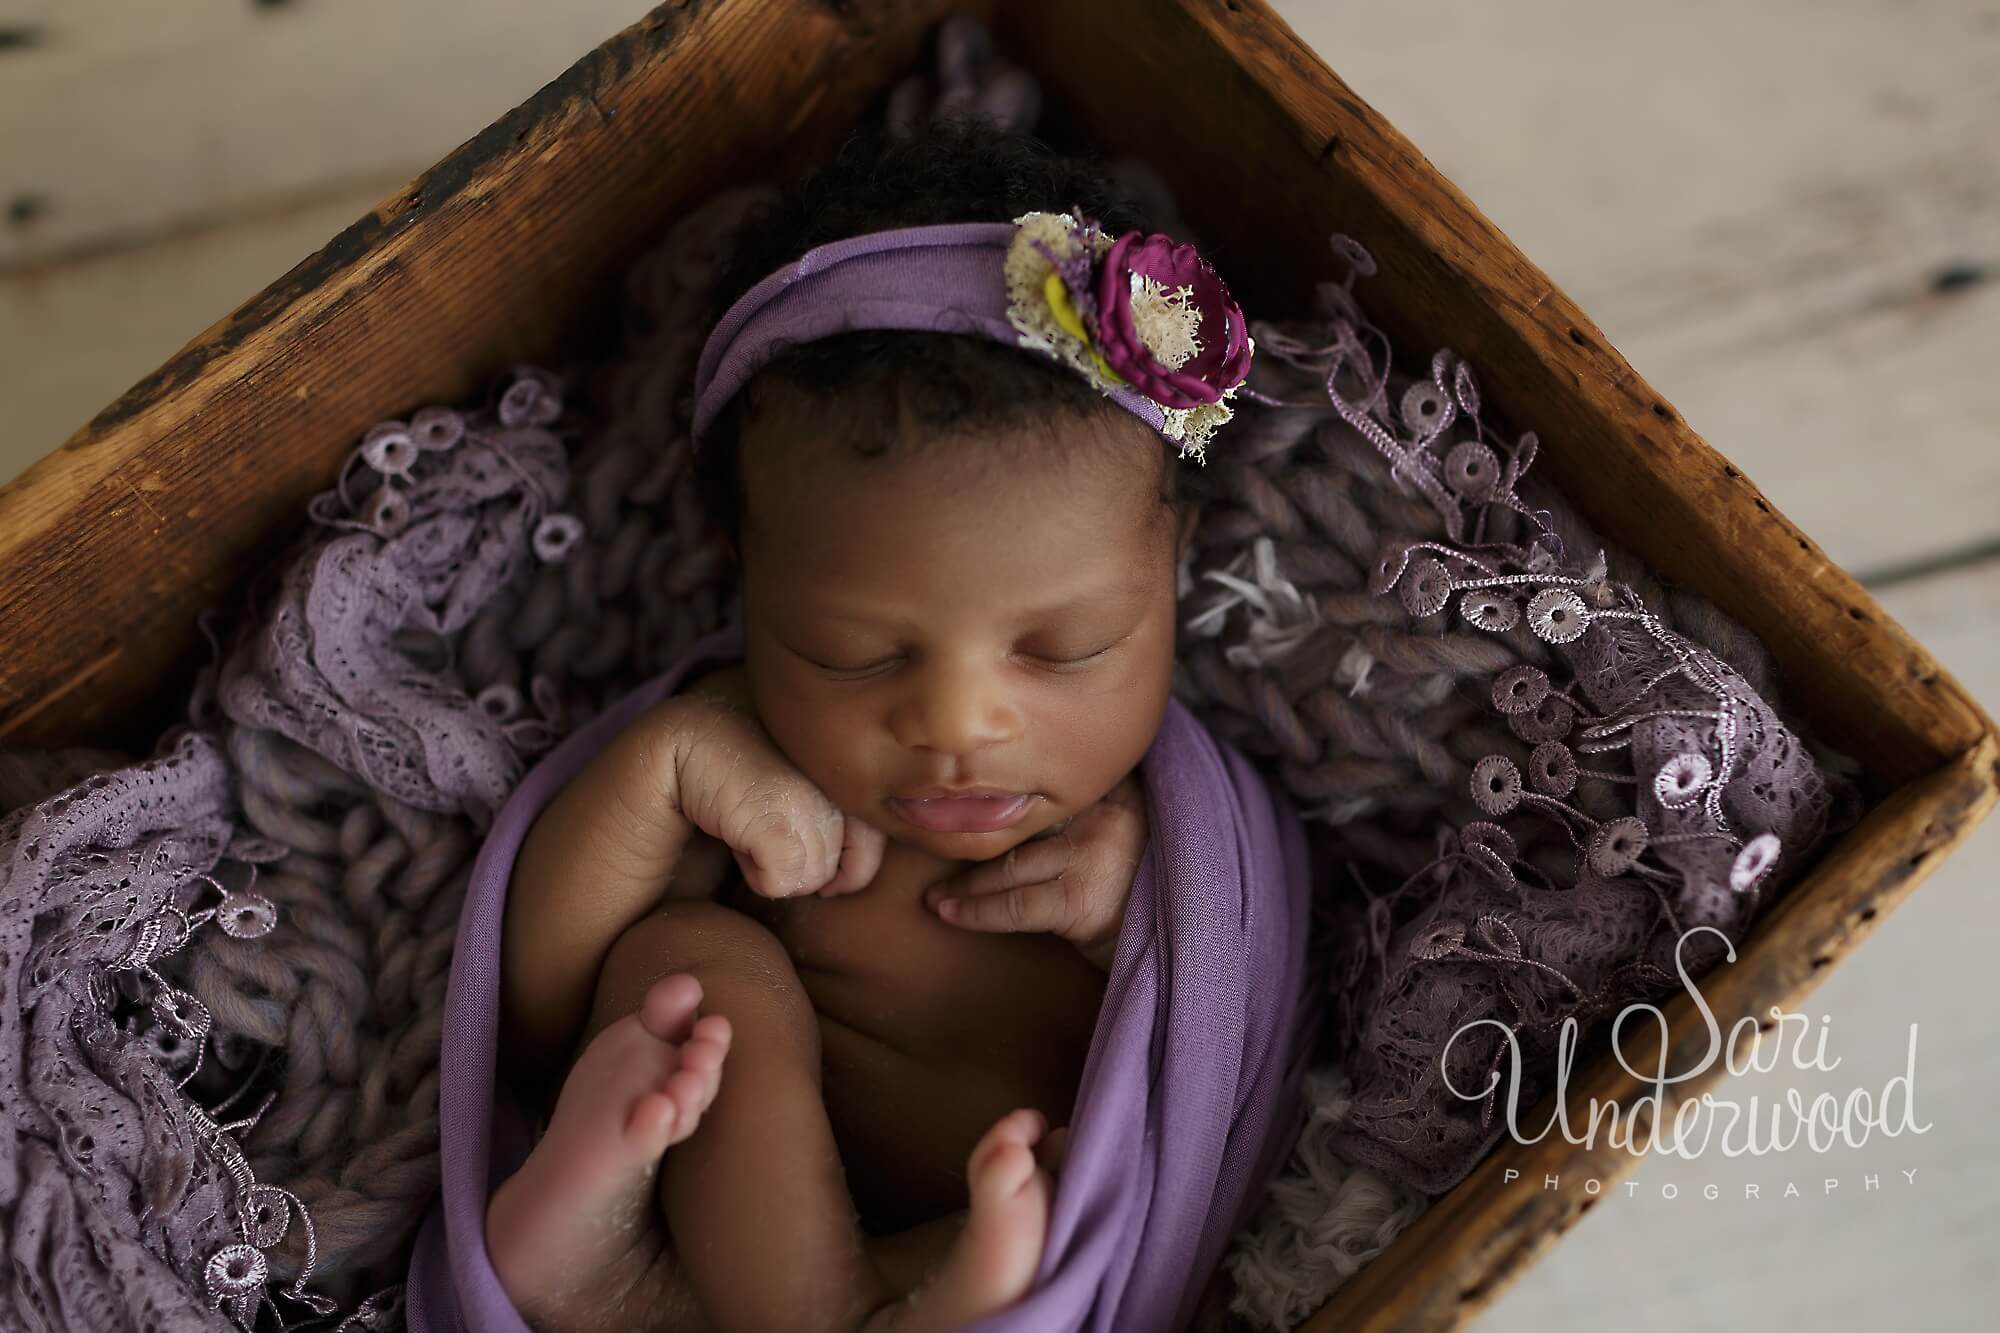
x,y
941,279
1190,1094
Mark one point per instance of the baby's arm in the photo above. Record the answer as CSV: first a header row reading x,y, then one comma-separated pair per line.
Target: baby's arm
x,y
597,859
627,832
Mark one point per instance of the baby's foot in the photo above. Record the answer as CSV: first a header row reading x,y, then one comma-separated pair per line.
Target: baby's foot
x,y
993,1262
572,1231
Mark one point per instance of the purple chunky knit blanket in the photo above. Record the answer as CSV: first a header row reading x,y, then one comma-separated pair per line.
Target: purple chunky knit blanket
x,y
1189,1097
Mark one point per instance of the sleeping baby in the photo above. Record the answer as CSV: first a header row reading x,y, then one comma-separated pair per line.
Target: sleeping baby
x,y
816,946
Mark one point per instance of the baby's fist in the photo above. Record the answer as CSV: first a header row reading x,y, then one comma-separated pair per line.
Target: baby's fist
x,y
734,784
1073,884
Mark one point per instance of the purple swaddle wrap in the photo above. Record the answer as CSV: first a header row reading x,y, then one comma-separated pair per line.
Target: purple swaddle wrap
x,y
1189,1097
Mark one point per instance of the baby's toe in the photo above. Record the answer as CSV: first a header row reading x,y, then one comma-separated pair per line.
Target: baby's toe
x,y
669,1007
1003,1161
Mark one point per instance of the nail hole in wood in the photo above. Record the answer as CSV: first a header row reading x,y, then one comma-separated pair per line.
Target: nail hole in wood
x,y
1856,613
1957,278
1820,962
25,208
1867,914
1660,411
1331,147
1578,338
1730,471
1761,505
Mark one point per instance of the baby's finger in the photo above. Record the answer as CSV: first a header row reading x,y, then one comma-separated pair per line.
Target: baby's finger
x,y
1026,907
1028,863
861,851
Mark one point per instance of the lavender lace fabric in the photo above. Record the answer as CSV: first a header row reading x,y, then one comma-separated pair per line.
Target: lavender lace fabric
x,y
1627,784
224,968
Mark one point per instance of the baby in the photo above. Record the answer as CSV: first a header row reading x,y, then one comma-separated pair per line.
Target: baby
x,y
816,946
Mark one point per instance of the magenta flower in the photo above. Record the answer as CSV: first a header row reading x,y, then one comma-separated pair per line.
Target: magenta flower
x,y
1224,356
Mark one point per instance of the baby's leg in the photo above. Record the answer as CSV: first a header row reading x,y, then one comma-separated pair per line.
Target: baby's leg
x,y
573,1235
756,1199
760,1177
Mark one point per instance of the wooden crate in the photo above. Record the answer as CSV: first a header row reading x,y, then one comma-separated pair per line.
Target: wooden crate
x,y
511,248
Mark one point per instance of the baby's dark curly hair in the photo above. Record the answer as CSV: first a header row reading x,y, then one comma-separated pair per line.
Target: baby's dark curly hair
x,y
953,171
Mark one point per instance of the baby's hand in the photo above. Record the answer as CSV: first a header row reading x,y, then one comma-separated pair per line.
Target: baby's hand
x,y
1074,884
734,784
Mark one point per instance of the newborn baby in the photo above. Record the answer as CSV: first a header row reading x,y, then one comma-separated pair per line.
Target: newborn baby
x,y
820,1023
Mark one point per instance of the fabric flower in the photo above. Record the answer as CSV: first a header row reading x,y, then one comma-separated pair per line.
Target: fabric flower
x,y
1166,323
1141,313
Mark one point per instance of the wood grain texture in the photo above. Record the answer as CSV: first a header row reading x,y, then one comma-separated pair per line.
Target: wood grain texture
x,y
110,547
127,121
1786,213
1270,110
75,335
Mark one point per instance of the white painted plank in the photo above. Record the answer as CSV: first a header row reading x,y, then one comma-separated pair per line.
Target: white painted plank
x,y
134,118
74,337
1750,199
1753,201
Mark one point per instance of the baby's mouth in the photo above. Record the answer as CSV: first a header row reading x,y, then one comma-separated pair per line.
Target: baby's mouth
x,y
963,814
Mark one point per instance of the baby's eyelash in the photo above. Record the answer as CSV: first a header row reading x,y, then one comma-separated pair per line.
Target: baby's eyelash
x,y
890,661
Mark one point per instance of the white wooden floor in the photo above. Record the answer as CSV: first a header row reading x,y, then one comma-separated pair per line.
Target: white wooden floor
x,y
1786,214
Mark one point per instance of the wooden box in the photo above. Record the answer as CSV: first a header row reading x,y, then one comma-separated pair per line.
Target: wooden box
x,y
511,248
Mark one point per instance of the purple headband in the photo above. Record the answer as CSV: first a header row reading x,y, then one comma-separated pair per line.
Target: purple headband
x,y
1144,319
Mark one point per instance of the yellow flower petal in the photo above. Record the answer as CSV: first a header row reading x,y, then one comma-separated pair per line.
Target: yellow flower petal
x,y
1057,296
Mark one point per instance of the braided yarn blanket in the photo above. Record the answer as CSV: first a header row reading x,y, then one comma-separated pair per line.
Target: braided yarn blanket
x,y
1526,766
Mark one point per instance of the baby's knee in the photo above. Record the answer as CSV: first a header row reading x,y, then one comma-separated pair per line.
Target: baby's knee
x,y
744,971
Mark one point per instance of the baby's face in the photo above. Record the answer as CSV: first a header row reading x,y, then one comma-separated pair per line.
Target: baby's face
x,y
957,620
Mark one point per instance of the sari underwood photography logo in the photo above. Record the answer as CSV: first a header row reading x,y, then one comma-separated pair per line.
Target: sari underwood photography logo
x,y
1754,1127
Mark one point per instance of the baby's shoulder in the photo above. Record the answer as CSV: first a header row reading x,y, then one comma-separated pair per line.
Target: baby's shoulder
x,y
726,685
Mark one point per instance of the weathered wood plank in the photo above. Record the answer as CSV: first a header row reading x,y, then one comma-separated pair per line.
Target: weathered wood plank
x,y
1788,214
1456,1258
128,120
1610,441
499,253
75,335
1777,284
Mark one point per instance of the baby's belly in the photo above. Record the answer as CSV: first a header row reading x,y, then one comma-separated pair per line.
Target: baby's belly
x,y
929,1033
